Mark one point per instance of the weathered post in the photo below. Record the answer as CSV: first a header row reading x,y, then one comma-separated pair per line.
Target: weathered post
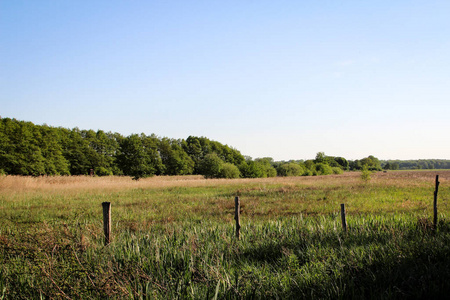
x,y
344,222
237,208
107,221
435,217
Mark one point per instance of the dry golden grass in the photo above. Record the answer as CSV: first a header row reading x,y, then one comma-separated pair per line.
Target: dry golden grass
x,y
51,234
16,184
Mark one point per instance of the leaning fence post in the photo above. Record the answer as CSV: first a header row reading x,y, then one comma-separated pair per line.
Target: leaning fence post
x,y
237,208
344,222
107,221
435,217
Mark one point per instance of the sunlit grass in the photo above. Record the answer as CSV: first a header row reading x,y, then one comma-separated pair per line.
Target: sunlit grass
x,y
173,237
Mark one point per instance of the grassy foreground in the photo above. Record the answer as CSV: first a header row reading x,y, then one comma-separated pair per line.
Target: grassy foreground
x,y
173,237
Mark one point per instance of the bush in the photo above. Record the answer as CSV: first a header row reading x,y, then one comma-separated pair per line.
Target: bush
x,y
365,173
307,172
290,169
229,171
271,172
323,169
337,170
259,168
101,171
211,166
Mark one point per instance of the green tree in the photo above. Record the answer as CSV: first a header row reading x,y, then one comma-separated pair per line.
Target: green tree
x,y
372,163
229,170
211,166
138,157
194,149
323,169
20,152
290,169
175,160
76,151
104,148
266,165
365,173
309,164
343,163
50,145
251,169
258,168
320,158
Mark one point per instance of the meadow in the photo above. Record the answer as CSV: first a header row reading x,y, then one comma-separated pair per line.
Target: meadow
x,y
173,237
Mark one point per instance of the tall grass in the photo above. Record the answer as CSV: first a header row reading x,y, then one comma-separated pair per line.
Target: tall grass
x,y
173,238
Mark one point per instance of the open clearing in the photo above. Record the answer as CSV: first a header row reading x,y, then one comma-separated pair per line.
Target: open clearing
x,y
173,237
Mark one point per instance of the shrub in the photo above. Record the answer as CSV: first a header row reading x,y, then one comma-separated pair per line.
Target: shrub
x,y
365,173
229,171
290,169
211,166
101,171
259,168
271,172
323,169
337,170
251,169
307,172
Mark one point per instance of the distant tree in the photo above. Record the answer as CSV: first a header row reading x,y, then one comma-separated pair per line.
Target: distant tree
x,y
20,152
337,170
139,157
343,163
394,166
309,164
193,148
50,145
211,166
265,164
372,163
252,169
331,161
290,169
76,151
198,147
365,173
323,169
175,160
106,147
229,170
320,158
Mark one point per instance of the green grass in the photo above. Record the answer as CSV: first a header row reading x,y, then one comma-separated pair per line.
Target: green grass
x,y
177,242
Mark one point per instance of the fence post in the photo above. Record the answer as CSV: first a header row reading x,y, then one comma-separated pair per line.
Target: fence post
x,y
237,208
344,222
107,221
435,217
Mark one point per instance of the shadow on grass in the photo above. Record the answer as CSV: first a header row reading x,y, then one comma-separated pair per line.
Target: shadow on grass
x,y
412,262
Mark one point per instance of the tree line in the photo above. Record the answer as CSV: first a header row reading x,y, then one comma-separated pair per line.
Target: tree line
x,y
416,164
29,149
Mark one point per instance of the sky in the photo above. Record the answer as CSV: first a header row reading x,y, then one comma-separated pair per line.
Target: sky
x,y
280,79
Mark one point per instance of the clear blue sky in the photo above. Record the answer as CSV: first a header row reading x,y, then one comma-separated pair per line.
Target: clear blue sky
x,y
284,79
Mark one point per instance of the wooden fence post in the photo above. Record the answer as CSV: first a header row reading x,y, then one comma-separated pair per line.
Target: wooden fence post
x,y
435,217
107,221
237,208
344,222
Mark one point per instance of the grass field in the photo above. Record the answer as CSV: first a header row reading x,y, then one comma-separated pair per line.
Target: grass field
x,y
173,237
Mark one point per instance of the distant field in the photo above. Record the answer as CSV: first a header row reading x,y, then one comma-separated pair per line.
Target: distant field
x,y
173,237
